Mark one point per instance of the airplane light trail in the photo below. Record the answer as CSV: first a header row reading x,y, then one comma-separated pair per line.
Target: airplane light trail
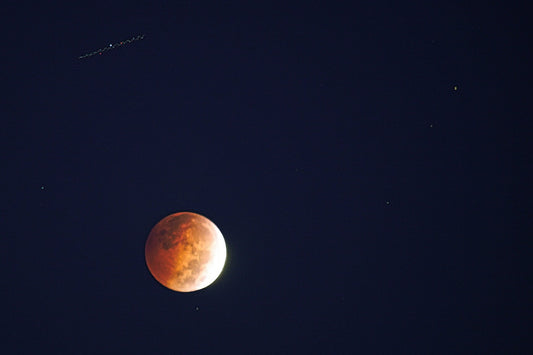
x,y
111,46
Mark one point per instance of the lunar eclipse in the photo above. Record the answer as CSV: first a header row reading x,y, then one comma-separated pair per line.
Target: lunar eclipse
x,y
185,252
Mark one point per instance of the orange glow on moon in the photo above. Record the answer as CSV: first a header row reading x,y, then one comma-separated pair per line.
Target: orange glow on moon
x,y
185,252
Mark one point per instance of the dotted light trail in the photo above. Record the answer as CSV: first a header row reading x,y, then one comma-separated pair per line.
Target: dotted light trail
x,y
111,46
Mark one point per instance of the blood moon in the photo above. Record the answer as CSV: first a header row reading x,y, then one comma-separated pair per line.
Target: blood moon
x,y
185,252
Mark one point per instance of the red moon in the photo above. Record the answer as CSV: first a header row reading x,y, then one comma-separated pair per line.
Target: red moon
x,y
185,252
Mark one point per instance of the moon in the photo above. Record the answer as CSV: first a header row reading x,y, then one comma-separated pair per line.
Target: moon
x,y
185,252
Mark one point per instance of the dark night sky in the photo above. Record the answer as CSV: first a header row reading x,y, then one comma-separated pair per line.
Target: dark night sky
x,y
364,162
